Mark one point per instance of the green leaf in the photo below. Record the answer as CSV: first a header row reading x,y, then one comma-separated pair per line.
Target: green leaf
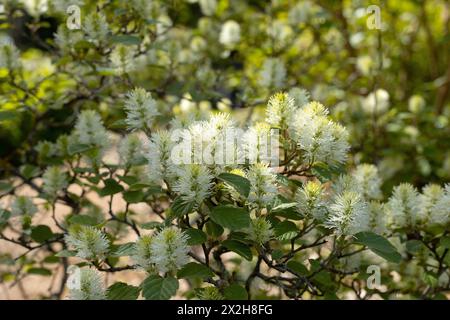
x,y
235,292
5,187
126,39
121,250
196,236
78,148
413,246
180,208
230,217
8,115
39,271
158,288
41,233
111,187
151,225
379,245
241,184
445,242
29,171
84,220
322,171
285,230
195,270
133,196
66,254
240,248
122,291
297,267
213,229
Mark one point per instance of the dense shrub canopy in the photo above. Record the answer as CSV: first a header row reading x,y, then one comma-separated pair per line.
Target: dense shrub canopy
x,y
225,149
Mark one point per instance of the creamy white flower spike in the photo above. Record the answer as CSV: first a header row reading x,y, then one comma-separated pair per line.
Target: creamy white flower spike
x,y
54,180
130,150
88,242
367,181
89,285
431,194
159,156
440,214
169,250
208,7
141,110
403,207
311,201
142,253
260,230
273,74
96,27
301,96
348,214
377,217
263,185
66,39
23,206
122,59
280,110
230,35
317,136
376,102
89,130
260,144
194,183
9,56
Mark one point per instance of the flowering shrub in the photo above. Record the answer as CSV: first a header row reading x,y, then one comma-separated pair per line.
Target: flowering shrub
x,y
108,169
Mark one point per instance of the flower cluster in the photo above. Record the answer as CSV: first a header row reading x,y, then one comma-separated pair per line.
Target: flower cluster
x,y
141,110
88,242
165,251
54,180
86,284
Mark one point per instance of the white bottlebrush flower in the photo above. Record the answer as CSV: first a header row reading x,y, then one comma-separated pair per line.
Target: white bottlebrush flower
x,y
86,284
122,59
263,185
141,110
416,103
130,150
440,214
260,230
280,110
403,207
193,184
88,242
367,180
169,250
66,39
230,34
208,7
431,194
376,102
273,74
300,96
142,252
159,156
260,143
377,217
9,56
54,180
348,214
317,136
23,206
209,293
96,27
89,130
311,200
